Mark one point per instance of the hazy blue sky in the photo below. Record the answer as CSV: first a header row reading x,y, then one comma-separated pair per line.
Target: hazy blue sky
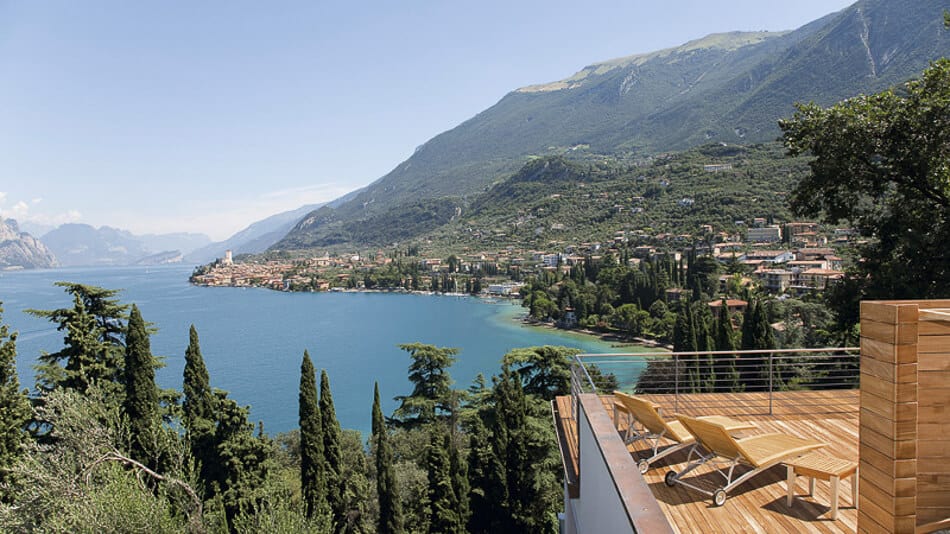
x,y
205,116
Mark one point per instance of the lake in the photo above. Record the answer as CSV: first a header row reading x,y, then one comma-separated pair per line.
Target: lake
x,y
253,340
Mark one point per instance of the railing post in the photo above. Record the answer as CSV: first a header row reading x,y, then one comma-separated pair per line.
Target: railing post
x,y
676,383
770,382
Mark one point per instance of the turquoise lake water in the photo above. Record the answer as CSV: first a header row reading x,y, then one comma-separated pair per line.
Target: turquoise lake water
x,y
253,340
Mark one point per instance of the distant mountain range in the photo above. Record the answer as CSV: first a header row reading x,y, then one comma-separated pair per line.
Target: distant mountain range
x,y
73,245
85,245
261,235
20,250
729,88
254,239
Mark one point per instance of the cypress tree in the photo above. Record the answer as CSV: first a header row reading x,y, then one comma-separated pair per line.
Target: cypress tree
x,y
141,393
725,338
14,411
762,330
489,493
686,338
748,326
333,457
725,364
312,476
199,411
750,365
459,474
390,507
244,459
681,330
199,400
443,502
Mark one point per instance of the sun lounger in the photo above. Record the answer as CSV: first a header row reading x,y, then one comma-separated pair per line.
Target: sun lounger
x,y
655,428
725,452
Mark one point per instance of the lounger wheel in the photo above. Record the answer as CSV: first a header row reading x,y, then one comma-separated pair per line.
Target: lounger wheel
x,y
670,479
719,497
643,466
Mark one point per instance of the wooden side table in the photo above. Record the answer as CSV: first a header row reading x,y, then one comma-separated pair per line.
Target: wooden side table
x,y
817,465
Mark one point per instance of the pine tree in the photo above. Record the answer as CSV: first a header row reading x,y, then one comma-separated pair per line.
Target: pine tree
x,y
93,350
333,457
443,502
312,475
390,507
141,394
199,412
432,384
14,411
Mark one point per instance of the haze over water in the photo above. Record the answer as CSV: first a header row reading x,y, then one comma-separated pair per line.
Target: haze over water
x,y
253,340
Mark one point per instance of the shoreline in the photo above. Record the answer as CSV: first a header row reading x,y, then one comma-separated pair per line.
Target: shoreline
x,y
613,340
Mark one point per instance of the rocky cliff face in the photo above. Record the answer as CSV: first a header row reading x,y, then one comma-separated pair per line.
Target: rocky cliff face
x,y
20,250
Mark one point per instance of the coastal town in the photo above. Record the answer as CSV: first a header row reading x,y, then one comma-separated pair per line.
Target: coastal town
x,y
794,258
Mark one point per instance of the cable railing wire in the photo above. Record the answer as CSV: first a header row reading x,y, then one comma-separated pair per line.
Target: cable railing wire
x,y
719,373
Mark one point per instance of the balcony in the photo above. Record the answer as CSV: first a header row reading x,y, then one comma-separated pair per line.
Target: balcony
x,y
894,425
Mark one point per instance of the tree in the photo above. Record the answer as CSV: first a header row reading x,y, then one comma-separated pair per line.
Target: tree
x,y
14,411
198,404
198,410
725,364
756,335
527,448
443,502
93,349
882,163
544,371
332,455
312,462
390,507
432,384
245,460
141,394
459,473
489,493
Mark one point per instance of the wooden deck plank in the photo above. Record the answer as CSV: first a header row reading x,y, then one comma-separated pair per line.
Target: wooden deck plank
x,y
759,505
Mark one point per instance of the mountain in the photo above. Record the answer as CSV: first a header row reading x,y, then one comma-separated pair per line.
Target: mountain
x,y
82,245
21,250
255,238
729,88
161,258
35,229
183,242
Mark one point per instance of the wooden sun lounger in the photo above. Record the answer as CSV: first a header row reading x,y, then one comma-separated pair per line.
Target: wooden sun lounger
x,y
655,428
759,452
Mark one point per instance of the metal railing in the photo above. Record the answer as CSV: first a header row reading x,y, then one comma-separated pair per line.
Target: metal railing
x,y
730,382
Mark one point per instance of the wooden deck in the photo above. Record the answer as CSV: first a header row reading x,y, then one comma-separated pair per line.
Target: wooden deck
x,y
758,505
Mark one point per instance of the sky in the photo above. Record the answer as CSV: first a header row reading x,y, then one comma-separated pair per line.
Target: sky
x,y
184,116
